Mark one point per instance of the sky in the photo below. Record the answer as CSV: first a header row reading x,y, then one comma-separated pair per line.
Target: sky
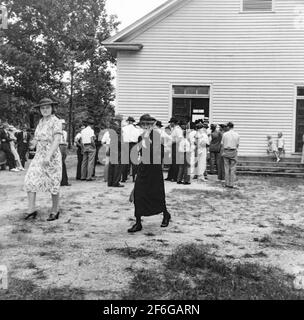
x,y
128,11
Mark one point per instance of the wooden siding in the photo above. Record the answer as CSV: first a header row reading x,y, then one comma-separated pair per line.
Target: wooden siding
x,y
252,61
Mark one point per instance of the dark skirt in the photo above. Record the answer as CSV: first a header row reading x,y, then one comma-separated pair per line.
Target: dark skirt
x,y
149,190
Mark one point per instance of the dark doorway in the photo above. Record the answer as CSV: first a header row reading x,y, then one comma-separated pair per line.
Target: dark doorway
x,y
299,125
190,109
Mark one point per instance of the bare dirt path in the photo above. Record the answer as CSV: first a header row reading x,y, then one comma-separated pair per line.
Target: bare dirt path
x,y
89,248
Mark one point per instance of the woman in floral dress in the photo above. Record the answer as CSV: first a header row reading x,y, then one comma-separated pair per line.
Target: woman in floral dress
x,y
45,171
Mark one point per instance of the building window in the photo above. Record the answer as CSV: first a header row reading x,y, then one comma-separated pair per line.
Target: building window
x,y
191,90
257,5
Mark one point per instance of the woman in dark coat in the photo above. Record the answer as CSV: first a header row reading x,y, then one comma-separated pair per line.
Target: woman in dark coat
x,y
149,190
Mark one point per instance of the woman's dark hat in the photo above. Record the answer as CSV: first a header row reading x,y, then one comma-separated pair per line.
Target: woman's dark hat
x,y
146,118
130,119
159,124
45,102
173,120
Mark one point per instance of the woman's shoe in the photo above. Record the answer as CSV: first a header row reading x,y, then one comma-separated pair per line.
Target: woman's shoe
x,y
137,227
53,216
166,220
33,215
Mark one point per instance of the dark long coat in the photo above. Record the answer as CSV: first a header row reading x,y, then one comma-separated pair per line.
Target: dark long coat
x,y
149,190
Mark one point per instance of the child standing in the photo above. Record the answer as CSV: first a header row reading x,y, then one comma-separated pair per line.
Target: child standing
x,y
280,145
271,148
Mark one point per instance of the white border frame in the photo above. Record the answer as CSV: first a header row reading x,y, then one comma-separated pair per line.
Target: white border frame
x,y
255,12
295,98
182,83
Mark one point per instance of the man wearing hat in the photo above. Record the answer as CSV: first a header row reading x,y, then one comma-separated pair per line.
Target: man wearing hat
x,y
5,147
63,149
23,141
130,136
230,142
89,150
115,167
176,135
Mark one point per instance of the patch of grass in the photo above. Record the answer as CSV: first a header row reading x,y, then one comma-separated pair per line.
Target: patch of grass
x,y
40,275
134,253
18,230
76,245
51,229
149,234
191,272
31,265
27,290
214,235
52,255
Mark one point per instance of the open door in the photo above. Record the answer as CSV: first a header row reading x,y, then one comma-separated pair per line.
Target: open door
x,y
300,119
191,103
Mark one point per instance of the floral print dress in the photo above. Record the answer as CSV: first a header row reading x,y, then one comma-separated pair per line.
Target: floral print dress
x,y
39,177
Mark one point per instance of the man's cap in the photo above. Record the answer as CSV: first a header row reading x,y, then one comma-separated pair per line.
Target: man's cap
x,y
131,119
159,124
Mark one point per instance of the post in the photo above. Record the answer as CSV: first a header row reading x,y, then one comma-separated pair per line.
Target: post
x,y
71,107
3,17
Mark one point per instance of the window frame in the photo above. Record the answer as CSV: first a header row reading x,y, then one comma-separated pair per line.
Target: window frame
x,y
257,11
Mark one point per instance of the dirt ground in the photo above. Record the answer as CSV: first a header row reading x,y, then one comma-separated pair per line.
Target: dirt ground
x,y
261,222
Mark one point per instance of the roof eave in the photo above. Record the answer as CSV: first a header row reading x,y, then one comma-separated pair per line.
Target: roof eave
x,y
143,21
122,46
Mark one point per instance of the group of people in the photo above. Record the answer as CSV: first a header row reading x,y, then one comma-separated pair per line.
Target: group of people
x,y
45,171
14,146
276,148
184,150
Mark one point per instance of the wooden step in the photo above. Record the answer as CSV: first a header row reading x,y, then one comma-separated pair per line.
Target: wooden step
x,y
294,159
271,164
270,169
274,174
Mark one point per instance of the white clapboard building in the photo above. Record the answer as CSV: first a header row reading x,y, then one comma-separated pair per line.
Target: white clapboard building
x,y
229,60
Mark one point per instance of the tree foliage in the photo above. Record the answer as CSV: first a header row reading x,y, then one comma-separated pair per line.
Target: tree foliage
x,y
45,41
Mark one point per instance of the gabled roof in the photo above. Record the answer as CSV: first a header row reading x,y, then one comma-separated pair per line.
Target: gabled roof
x,y
140,26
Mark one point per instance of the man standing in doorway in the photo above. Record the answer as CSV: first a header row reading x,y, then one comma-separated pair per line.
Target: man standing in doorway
x,y
176,135
230,142
89,150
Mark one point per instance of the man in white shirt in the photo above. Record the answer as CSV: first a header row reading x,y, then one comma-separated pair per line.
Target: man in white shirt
x,y
201,141
176,135
89,151
230,142
63,148
78,144
130,136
